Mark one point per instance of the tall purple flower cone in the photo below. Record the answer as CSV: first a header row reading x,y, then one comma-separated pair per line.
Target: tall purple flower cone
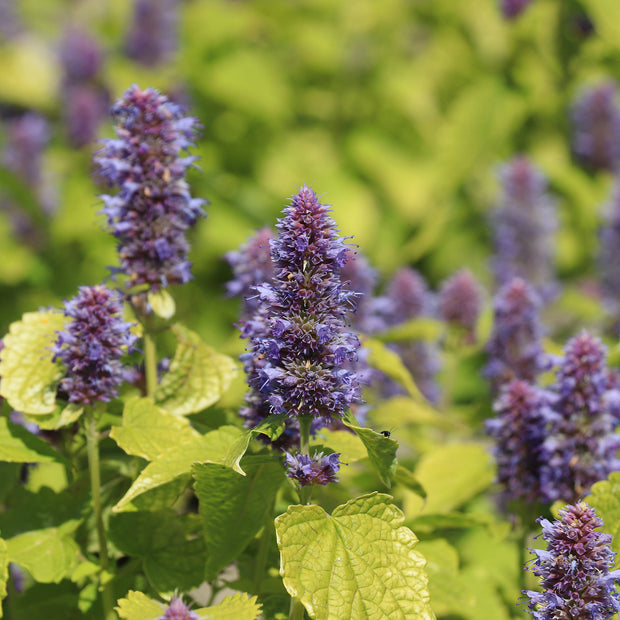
x,y
523,226
92,345
609,257
153,210
514,348
575,569
152,38
460,302
596,126
581,443
302,344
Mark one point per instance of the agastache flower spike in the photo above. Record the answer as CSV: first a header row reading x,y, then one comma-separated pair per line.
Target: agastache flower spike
x,y
153,210
316,469
153,35
178,610
523,225
609,257
302,350
596,121
460,301
519,431
92,345
575,569
514,347
581,443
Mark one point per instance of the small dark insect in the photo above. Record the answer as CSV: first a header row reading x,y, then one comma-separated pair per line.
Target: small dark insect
x,y
386,434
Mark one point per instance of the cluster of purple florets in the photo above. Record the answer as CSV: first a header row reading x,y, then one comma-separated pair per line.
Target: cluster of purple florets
x,y
311,470
596,126
460,302
153,210
301,342
178,610
553,444
523,226
92,345
575,569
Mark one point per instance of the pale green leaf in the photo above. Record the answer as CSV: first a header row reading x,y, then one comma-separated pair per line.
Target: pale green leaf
x,y
606,17
149,430
18,445
233,507
416,329
198,375
605,499
381,450
403,411
29,377
348,445
390,364
224,446
162,303
70,414
138,606
358,563
50,555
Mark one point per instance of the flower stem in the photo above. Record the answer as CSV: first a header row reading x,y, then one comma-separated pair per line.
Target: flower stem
x,y
150,363
305,421
297,610
92,439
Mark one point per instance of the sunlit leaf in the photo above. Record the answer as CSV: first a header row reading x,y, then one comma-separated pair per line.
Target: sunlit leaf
x,y
604,497
162,303
360,562
197,377
18,445
4,571
29,377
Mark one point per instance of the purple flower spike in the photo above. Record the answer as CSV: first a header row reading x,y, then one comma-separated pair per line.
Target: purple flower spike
x,y
609,257
523,227
251,266
153,210
581,443
596,126
519,432
513,8
299,341
575,570
178,610
514,347
317,469
92,346
460,301
153,35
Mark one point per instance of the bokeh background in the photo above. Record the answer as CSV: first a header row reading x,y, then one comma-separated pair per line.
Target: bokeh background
x,y
398,112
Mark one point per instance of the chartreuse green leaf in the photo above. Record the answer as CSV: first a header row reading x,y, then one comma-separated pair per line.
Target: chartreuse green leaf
x,y
233,507
171,546
415,329
4,570
348,445
29,377
162,303
224,446
358,563
381,450
606,17
197,377
451,475
18,445
149,430
605,499
390,364
138,606
50,555
403,411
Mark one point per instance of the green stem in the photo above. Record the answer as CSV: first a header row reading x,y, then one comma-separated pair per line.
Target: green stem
x,y
263,550
297,610
521,542
150,363
305,421
92,439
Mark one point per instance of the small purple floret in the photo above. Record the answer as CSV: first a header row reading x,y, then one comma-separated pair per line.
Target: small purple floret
x,y
92,345
575,569
178,610
316,469
153,210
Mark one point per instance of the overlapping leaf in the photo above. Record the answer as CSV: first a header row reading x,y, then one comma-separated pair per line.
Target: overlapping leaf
x,y
198,375
605,499
18,445
29,377
358,563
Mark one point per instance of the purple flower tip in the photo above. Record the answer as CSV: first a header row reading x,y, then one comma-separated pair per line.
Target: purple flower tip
x,y
460,301
513,8
92,346
316,469
178,610
575,570
153,209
